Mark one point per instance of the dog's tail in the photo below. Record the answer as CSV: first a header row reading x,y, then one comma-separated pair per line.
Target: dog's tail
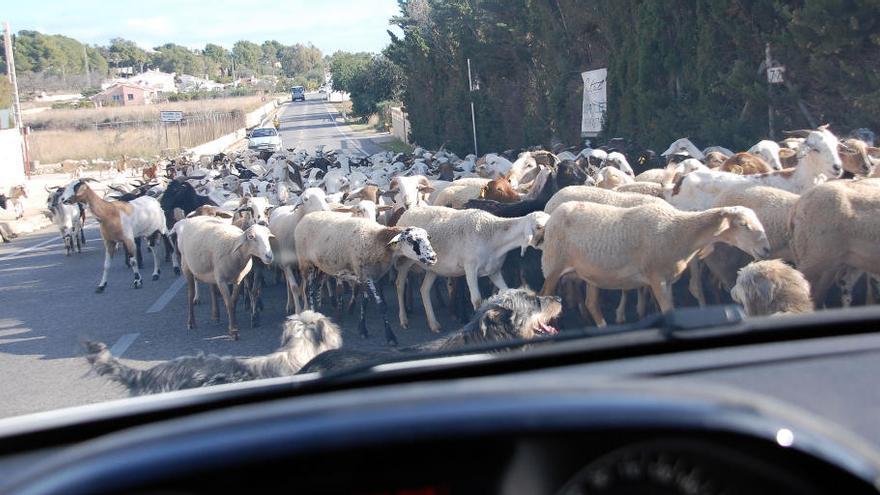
x,y
98,355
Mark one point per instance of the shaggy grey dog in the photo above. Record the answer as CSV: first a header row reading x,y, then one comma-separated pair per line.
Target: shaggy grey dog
x,y
771,287
508,315
305,336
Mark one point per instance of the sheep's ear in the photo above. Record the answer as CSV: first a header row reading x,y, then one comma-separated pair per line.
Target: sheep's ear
x,y
786,153
382,208
343,209
483,192
706,251
394,240
736,169
223,214
723,225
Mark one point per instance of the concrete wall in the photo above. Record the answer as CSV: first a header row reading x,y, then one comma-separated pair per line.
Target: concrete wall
x,y
11,160
400,127
253,119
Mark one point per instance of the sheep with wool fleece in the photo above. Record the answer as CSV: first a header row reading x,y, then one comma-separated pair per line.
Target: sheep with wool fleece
x,y
282,223
217,253
598,195
834,226
358,250
768,151
469,243
613,248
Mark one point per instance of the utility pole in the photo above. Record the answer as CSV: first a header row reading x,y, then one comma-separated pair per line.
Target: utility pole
x,y
86,60
10,72
768,60
473,114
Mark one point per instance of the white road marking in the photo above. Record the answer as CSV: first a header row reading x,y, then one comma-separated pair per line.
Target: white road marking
x,y
166,296
123,344
38,245
30,248
343,133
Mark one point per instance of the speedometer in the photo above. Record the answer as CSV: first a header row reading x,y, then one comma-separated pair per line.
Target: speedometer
x,y
679,467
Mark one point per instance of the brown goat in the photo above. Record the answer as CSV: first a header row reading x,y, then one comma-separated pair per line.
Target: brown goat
x,y
856,157
745,164
499,190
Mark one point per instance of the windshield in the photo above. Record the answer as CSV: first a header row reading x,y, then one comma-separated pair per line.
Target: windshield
x,y
263,133
453,174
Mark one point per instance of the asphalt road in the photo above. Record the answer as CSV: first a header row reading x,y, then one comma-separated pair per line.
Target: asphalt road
x,y
48,305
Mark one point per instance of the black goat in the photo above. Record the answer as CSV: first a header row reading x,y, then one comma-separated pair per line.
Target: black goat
x,y
179,194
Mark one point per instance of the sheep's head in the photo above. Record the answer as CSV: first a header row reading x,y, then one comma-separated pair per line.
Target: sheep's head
x,y
611,177
76,191
819,151
410,191
255,242
314,199
533,231
414,243
617,160
741,228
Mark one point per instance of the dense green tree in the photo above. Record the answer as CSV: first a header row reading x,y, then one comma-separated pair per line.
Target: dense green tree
x,y
247,56
126,53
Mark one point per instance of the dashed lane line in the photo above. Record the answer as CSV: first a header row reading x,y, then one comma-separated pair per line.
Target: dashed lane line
x,y
166,296
122,345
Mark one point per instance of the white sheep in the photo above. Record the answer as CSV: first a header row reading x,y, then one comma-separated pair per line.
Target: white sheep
x,y
217,253
618,160
629,248
599,195
282,224
611,177
771,287
359,251
683,145
469,243
835,226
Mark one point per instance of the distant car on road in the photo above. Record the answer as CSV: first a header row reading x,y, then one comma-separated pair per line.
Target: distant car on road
x,y
298,93
264,139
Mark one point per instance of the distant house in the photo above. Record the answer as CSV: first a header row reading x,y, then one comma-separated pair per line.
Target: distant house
x,y
123,94
153,81
190,83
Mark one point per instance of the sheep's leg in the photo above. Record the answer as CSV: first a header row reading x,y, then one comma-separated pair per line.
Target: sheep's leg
x,y
409,298
130,248
872,290
255,293
620,313
355,291
695,284
400,284
390,338
192,296
425,291
215,314
550,283
313,288
230,299
169,251
293,290
642,303
497,278
339,300
847,283
593,305
196,299
473,282
663,294
153,245
171,239
362,324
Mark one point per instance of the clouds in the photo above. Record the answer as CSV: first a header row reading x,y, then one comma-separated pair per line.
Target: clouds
x,y
331,25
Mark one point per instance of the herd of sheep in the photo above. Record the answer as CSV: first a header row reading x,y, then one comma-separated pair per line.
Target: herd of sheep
x,y
583,224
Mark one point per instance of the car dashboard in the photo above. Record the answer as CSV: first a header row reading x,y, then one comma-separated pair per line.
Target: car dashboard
x,y
707,421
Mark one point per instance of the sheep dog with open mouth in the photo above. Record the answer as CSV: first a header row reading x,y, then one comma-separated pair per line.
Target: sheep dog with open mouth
x,y
305,336
509,315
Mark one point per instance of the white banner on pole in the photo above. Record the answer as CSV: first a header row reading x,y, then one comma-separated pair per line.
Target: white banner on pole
x,y
595,102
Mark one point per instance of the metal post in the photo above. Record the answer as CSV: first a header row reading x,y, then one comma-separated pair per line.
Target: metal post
x,y
86,59
768,62
179,143
473,114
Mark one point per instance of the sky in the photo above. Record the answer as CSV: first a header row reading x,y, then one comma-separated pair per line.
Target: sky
x,y
331,25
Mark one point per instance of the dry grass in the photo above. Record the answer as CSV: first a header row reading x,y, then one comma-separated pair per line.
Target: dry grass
x,y
147,142
87,117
